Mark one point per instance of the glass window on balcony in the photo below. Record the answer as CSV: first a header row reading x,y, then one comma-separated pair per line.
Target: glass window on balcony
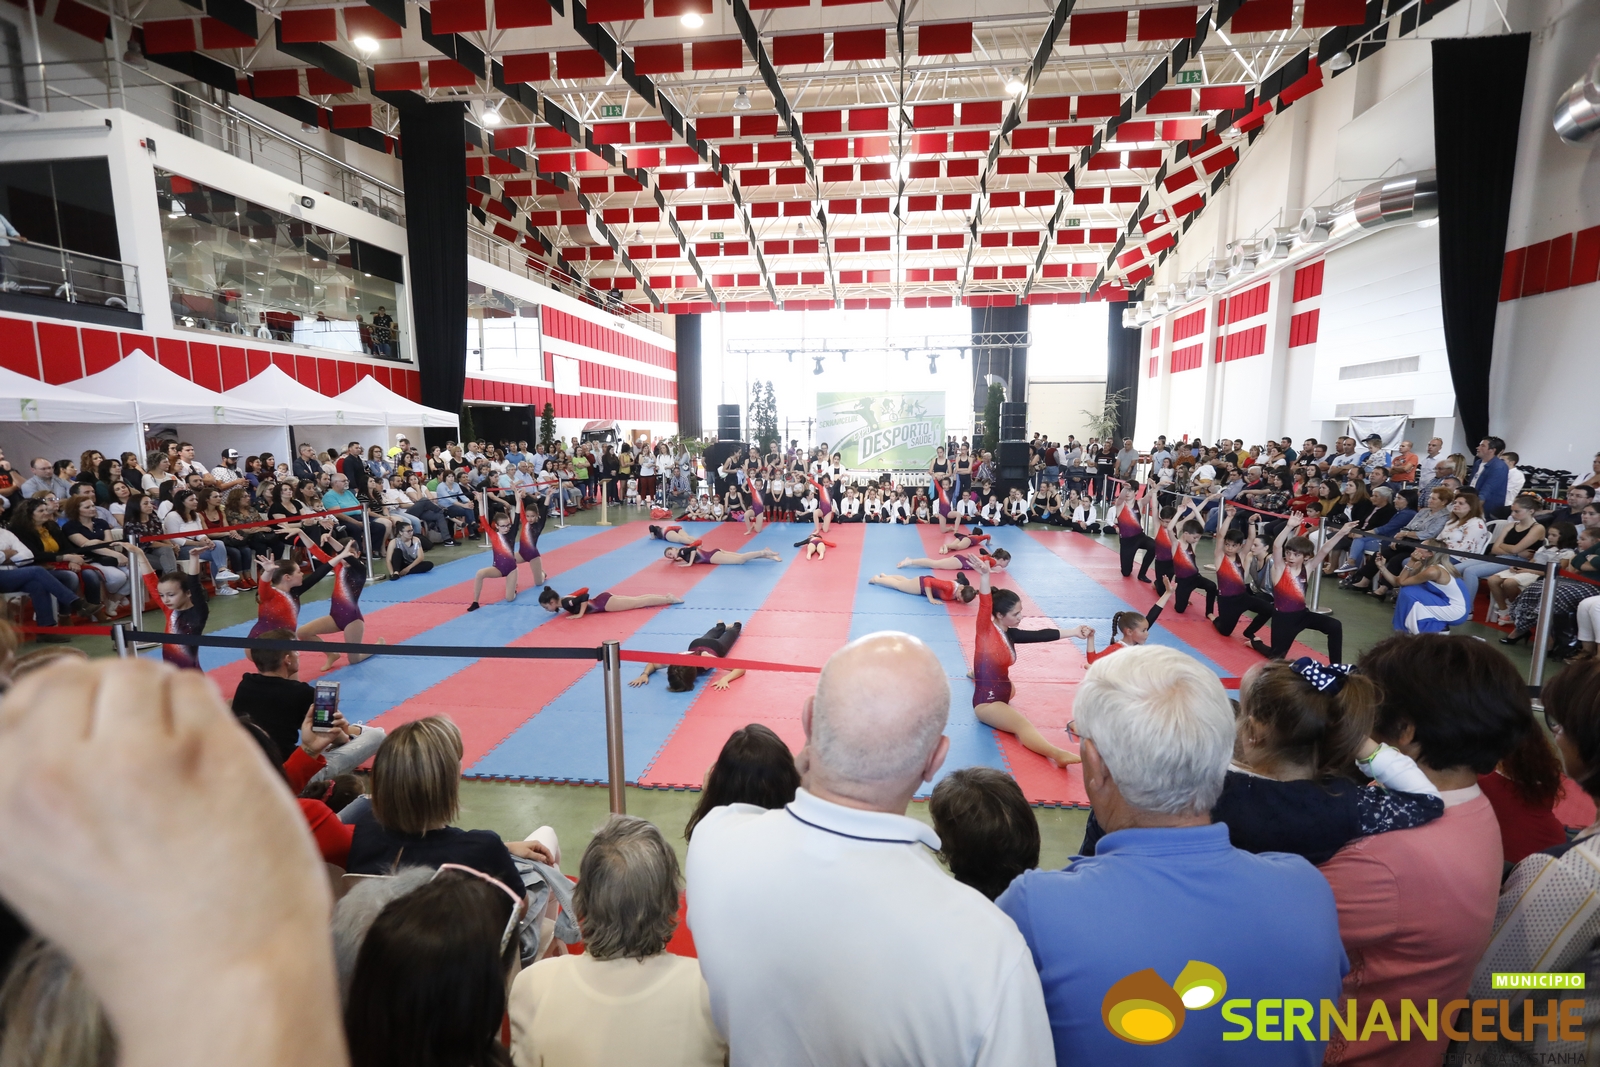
x,y
66,245
236,267
503,333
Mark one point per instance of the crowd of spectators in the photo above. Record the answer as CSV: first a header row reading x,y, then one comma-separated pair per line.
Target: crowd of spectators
x,y
1334,837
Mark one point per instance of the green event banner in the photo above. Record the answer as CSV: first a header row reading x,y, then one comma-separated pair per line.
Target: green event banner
x,y
882,431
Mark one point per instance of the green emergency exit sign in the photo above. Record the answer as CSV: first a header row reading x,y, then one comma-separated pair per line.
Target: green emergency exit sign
x,y
614,111
1188,77
716,235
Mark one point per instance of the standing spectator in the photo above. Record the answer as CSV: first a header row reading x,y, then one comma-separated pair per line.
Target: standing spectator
x,y
1127,460
306,467
1165,886
383,331
1404,467
625,1000
351,465
1490,476
918,968
1416,907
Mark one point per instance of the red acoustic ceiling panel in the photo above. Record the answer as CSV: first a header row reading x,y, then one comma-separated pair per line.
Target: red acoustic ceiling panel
x,y
99,349
447,73
266,84
1136,131
859,44
397,77
204,366
945,39
1218,97
1586,256
214,33
532,67
1262,16
1171,102
1045,109
1303,328
1167,23
1098,27
85,20
1308,281
715,128
1099,105
615,10
1320,13
162,36
579,63
235,364
933,116
671,9
869,119
1558,275
352,116
459,16
797,48
170,353
320,83
364,21
520,14
717,55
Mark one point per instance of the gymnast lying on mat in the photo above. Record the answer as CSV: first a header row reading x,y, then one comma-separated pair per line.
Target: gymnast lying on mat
x,y
693,553
935,589
998,561
816,546
674,534
960,540
580,603
716,641
994,651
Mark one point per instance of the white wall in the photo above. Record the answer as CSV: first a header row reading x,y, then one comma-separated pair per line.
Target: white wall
x,y
1057,406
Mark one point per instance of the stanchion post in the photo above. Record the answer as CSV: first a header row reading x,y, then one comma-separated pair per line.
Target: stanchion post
x,y
611,664
604,495
366,541
483,517
119,637
1316,579
1541,632
135,588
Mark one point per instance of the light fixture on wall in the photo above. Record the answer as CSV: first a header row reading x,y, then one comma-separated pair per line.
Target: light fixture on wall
x,y
1578,111
742,101
1341,61
933,363
692,20
818,368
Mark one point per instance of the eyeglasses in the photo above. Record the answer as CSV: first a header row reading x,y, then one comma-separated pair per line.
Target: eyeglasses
x,y
1072,731
519,907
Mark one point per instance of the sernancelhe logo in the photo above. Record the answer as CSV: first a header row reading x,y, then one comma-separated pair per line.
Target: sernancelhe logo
x,y
1144,1009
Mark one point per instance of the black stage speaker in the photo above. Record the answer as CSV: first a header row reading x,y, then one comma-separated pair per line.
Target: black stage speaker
x,y
1012,462
1013,422
727,422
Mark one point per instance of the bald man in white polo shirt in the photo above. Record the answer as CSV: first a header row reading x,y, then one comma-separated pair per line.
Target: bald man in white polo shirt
x,y
827,931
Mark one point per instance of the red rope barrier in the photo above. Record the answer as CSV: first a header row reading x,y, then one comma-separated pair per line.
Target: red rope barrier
x,y
190,534
103,631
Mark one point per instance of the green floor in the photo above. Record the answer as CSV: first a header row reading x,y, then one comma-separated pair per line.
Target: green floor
x,y
513,809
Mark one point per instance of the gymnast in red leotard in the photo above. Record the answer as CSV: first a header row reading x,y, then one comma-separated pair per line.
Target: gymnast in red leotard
x,y
1127,628
999,560
961,540
581,603
344,611
816,546
278,593
528,531
504,560
943,510
934,589
674,534
993,653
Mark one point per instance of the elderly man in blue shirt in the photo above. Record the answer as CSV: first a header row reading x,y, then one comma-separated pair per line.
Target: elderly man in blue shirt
x,y
1169,938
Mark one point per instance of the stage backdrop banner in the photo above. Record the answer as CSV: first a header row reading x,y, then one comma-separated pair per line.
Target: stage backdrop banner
x,y
882,431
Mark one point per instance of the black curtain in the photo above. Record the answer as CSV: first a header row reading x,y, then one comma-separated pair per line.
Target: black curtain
x,y
1477,108
687,328
1010,365
1122,366
435,170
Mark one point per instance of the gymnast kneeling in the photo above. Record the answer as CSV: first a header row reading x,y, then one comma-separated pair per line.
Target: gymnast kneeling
x,y
935,589
580,603
717,642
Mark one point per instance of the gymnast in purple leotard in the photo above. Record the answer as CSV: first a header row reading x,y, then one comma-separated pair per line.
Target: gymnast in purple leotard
x,y
755,516
581,603
690,554
528,531
503,557
344,607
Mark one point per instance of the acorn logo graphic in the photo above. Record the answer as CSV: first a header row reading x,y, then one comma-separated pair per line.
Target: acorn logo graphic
x,y
1142,1009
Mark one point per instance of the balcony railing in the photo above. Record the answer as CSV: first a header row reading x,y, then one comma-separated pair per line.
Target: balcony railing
x,y
224,311
202,113
29,268
517,262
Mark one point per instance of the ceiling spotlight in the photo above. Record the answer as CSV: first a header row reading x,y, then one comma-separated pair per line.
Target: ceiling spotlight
x,y
693,21
491,116
638,235
1014,85
791,357
933,364
367,45
1232,133
818,368
742,101
1340,61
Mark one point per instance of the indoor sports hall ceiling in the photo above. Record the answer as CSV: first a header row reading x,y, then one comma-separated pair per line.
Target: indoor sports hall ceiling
x,y
690,154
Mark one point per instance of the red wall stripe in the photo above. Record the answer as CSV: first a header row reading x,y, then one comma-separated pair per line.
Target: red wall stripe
x,y
59,354
100,349
19,348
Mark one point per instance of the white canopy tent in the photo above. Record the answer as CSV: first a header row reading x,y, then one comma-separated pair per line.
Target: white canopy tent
x,y
402,415
55,422
323,422
163,400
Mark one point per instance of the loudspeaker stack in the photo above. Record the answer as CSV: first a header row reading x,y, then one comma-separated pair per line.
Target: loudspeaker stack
x,y
727,422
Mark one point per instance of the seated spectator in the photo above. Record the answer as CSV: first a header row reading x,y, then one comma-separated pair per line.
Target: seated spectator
x,y
988,834
277,701
1416,907
405,554
624,1001
1570,593
241,553
917,968
1524,789
754,768
1547,919
33,524
356,911
1372,535
1516,542
1560,545
101,546
1424,525
184,519
1166,887
457,502
264,542
49,1015
416,781
1430,595
305,764
429,985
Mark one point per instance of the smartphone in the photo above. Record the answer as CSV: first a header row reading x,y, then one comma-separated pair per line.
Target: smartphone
x,y
324,707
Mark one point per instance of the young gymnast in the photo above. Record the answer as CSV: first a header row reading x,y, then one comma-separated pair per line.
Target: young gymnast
x,y
344,610
1130,534
824,509
694,552
1234,598
1290,558
994,651
1127,628
999,559
816,546
674,534
1163,539
280,588
1185,534
504,563
934,589
184,610
717,642
755,516
579,603
960,540
943,511
528,531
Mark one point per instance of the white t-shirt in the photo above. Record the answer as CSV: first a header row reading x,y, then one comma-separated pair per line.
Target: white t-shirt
x,y
917,969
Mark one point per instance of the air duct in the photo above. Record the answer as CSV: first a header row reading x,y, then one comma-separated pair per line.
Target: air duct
x,y
1578,111
1391,202
1217,275
1247,255
1282,241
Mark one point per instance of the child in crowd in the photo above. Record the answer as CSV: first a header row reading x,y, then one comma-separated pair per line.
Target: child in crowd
x,y
987,830
633,492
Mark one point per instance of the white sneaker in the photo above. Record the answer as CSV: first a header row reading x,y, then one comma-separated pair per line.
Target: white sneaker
x,y
226,575
226,590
